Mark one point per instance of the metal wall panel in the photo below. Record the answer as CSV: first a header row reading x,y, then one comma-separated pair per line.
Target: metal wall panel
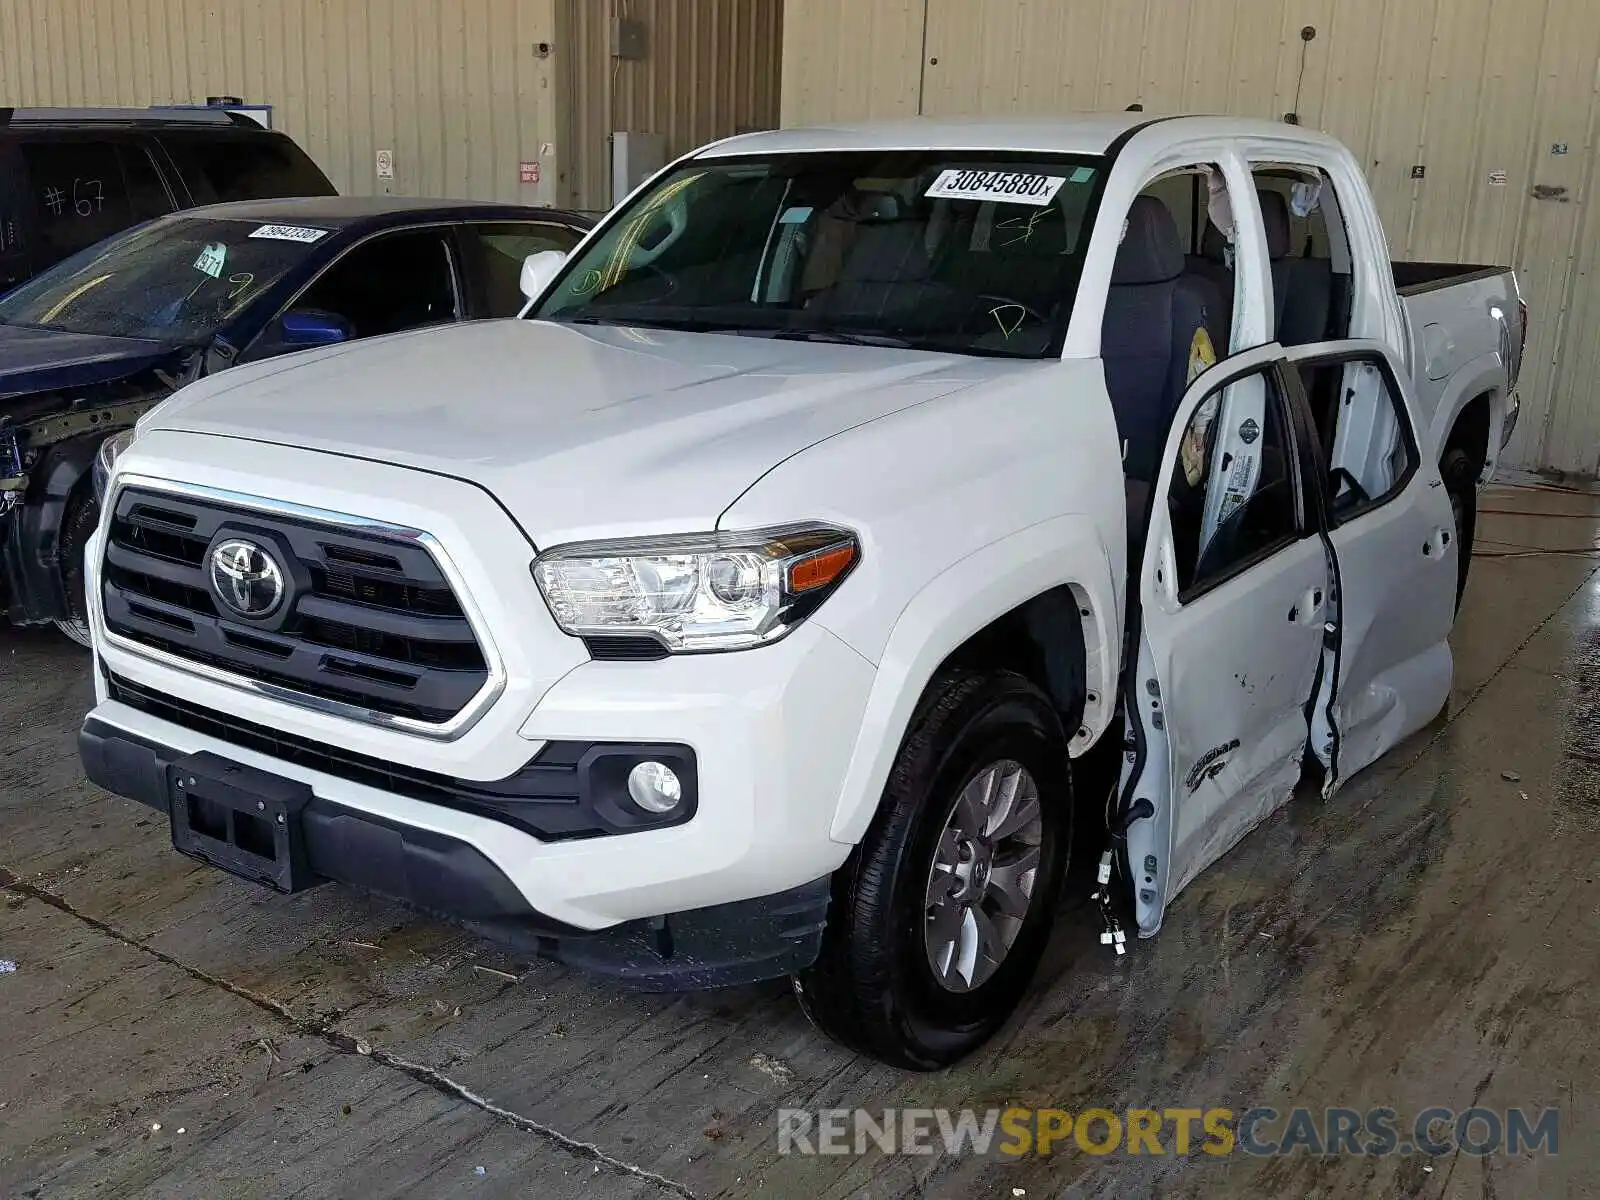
x,y
710,69
452,87
1464,88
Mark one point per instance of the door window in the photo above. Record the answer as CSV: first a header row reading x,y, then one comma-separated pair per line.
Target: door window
x,y
250,167
392,283
1369,449
503,245
84,191
1235,494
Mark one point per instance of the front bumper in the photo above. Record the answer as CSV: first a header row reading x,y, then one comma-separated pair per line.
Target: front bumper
x,y
771,732
445,876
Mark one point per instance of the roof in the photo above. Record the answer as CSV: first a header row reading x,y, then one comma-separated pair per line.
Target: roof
x,y
1066,133
338,211
167,115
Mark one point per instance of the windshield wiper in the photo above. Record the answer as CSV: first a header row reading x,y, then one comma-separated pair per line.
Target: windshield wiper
x,y
843,337
682,324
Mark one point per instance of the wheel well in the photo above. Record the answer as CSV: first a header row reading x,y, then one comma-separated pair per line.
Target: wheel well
x,y
1042,640
1470,433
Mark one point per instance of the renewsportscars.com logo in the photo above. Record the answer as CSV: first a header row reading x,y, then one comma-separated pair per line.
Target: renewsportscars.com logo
x,y
1264,1132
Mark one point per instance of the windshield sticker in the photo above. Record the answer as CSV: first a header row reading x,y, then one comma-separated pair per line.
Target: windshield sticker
x,y
1082,175
795,216
211,260
289,233
1007,187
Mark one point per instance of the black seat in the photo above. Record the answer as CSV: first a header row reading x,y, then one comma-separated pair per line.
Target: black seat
x,y
886,270
1275,221
1153,312
1298,316
1308,301
1211,268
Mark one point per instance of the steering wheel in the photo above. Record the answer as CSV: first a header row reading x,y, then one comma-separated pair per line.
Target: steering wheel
x,y
1007,314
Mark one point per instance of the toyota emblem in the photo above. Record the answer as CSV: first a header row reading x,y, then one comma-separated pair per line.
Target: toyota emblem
x,y
246,578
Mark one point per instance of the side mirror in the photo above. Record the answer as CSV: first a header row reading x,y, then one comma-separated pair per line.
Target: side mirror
x,y
539,269
314,327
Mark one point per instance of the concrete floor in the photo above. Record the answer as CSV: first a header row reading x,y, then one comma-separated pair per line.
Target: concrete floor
x,y
1429,937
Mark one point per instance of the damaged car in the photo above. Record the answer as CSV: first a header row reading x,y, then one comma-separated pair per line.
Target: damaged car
x,y
91,344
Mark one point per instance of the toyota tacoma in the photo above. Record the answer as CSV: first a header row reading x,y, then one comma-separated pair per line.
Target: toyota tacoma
x,y
747,606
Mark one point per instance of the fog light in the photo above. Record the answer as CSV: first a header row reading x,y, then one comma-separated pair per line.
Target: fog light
x,y
654,787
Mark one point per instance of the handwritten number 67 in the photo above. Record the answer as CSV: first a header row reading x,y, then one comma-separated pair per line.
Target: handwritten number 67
x,y
92,201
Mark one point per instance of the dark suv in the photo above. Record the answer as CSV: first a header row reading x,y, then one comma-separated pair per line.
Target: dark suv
x,y
71,177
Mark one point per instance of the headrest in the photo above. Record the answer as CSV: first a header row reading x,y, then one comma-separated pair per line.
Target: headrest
x,y
1275,217
888,252
1151,251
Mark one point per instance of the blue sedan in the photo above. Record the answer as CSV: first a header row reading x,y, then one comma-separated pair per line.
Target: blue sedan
x,y
95,341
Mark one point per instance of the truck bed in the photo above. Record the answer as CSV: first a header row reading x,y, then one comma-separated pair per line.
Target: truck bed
x,y
1415,278
1465,322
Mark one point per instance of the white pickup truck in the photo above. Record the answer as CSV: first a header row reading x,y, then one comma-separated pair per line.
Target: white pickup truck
x,y
744,609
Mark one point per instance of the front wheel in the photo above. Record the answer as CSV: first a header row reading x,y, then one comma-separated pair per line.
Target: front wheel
x,y
1461,484
940,916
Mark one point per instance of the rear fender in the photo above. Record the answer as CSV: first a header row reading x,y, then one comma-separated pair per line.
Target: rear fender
x,y
956,604
1486,374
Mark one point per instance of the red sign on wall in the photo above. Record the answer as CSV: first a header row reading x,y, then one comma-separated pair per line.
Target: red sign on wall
x,y
528,172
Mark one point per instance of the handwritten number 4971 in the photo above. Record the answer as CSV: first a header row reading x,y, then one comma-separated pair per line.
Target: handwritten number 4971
x,y
88,198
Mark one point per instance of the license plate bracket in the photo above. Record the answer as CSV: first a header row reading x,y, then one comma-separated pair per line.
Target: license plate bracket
x,y
243,820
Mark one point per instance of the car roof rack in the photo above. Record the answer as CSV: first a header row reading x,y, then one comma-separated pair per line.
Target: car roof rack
x,y
154,115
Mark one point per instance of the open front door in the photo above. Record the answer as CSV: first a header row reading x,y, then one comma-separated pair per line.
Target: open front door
x,y
1387,669
1232,589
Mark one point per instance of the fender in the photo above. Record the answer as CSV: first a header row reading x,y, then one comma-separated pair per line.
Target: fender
x,y
1486,373
957,603
31,554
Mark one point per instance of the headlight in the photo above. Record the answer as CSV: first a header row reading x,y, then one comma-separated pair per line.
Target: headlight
x,y
110,450
713,591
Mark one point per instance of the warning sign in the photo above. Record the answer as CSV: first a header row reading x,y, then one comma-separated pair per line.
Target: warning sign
x,y
528,172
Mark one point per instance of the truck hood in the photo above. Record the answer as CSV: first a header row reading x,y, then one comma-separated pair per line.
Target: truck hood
x,y
46,360
580,432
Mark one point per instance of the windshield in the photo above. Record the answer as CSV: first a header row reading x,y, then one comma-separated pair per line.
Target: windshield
x,y
972,253
179,279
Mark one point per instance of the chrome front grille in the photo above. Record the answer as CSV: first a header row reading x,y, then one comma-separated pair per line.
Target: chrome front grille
x,y
369,621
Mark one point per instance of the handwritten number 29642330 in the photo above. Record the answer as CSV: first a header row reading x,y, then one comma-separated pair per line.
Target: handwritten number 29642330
x,y
88,197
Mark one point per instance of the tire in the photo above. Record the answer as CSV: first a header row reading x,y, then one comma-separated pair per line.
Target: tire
x,y
1461,484
83,514
875,986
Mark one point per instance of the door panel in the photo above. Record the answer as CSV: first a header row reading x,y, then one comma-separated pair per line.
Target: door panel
x,y
1233,592
1389,671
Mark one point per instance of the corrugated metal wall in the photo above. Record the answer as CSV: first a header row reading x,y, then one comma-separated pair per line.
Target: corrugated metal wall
x,y
453,87
711,68
1464,88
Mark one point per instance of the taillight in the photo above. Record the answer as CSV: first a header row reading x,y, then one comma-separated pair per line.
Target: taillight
x,y
1522,339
